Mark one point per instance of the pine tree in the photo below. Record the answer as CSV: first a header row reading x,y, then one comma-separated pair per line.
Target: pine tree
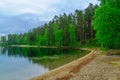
x,y
58,35
72,31
45,37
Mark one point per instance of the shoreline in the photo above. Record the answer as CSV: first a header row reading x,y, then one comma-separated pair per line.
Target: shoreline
x,y
67,71
37,46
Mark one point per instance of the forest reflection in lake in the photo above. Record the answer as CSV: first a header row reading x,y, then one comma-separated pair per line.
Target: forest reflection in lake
x,y
17,63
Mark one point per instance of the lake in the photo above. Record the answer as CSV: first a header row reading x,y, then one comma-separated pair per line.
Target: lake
x,y
17,63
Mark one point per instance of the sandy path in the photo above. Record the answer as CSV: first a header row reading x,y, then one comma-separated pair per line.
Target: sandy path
x,y
101,68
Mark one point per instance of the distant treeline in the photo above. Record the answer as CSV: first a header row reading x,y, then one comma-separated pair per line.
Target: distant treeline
x,y
64,30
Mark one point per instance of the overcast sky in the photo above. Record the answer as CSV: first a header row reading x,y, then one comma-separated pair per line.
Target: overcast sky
x,y
44,9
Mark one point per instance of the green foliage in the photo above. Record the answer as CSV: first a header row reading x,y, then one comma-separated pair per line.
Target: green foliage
x,y
107,25
45,37
58,35
3,39
26,39
39,39
72,31
91,44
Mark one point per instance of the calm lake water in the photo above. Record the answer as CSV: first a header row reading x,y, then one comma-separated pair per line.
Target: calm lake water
x,y
26,63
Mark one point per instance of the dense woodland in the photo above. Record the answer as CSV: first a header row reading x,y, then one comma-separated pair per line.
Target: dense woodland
x,y
101,23
107,24
64,30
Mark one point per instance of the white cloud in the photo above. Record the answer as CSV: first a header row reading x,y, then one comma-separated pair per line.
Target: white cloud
x,y
27,10
44,9
2,5
31,6
43,6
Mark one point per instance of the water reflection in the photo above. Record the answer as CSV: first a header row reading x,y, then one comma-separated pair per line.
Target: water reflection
x,y
33,52
15,67
25,63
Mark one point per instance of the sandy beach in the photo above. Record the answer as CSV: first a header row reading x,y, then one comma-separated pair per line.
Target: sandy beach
x,y
90,67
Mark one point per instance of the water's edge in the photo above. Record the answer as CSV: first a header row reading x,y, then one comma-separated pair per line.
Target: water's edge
x,y
68,67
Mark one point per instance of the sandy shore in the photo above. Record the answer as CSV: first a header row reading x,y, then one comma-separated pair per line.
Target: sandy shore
x,y
91,67
101,68
69,70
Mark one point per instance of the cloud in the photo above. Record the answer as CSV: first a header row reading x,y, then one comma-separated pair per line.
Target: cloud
x,y
20,6
43,6
41,10
27,10
2,5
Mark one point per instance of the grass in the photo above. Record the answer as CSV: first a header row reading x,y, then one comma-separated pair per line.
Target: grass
x,y
91,44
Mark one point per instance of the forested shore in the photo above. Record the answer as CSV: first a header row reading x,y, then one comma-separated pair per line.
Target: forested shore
x,y
64,43
72,29
99,24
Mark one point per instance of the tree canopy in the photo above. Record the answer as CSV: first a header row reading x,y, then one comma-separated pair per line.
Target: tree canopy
x,y
107,23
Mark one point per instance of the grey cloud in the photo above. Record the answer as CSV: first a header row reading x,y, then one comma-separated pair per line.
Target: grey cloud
x,y
18,16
